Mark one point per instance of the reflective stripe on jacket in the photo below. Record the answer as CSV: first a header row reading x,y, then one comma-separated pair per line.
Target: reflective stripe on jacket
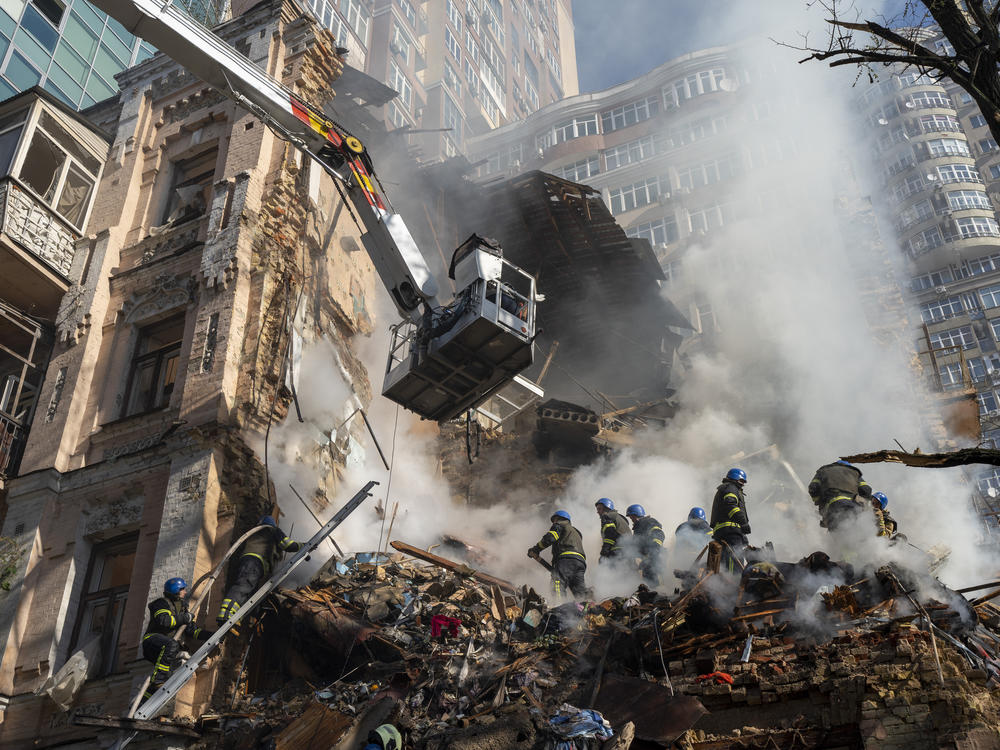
x,y
565,540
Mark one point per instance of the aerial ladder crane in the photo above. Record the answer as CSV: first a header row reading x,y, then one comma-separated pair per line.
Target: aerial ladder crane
x,y
444,359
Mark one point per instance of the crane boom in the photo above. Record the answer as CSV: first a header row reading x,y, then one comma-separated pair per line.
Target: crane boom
x,y
443,360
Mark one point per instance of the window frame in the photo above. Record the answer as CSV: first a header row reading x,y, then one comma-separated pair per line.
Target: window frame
x,y
159,357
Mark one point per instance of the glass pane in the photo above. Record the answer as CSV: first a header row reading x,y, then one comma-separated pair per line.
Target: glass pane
x,y
82,38
120,31
72,63
141,385
90,15
107,64
161,335
145,52
66,82
42,165
4,44
69,143
59,94
7,24
35,52
94,618
8,142
21,73
51,9
118,48
40,28
6,90
117,570
75,196
13,8
87,101
100,89
168,376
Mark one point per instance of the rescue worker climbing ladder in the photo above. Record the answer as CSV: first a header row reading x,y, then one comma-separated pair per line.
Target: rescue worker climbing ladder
x,y
166,614
730,524
614,529
569,563
649,538
261,553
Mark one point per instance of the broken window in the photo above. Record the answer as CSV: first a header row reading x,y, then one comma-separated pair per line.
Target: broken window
x,y
105,591
51,9
154,366
950,375
56,168
191,183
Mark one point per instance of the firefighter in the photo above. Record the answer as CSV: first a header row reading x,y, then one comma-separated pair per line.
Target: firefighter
x,y
648,536
730,524
569,562
166,614
261,552
839,493
614,529
884,523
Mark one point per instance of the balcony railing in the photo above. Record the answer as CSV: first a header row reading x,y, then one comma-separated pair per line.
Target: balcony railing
x,y
35,227
12,440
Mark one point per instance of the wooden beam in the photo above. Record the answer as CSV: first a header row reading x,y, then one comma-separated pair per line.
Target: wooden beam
x,y
136,725
459,568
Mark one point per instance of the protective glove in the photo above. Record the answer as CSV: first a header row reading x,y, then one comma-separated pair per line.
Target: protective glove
x,y
185,618
745,529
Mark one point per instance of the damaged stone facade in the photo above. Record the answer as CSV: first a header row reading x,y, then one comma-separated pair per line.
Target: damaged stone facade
x,y
210,240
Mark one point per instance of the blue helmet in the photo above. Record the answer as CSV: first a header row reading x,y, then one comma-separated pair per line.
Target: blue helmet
x,y
697,513
561,514
606,502
737,475
842,462
882,499
266,521
635,510
174,586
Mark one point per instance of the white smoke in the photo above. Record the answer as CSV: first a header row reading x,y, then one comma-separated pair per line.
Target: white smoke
x,y
794,362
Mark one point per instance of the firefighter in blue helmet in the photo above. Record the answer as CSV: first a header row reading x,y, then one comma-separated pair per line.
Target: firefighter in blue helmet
x,y
691,537
730,523
839,493
648,535
885,524
615,530
569,563
166,614
261,552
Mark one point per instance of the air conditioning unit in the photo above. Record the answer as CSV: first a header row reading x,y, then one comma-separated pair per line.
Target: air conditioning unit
x,y
941,289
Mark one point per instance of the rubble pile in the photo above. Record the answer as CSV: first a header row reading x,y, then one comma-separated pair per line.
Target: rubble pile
x,y
456,658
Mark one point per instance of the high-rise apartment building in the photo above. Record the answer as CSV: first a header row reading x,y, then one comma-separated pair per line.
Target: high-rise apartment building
x,y
71,49
461,67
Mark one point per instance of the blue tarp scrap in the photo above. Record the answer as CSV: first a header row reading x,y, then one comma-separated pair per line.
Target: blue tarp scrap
x,y
571,723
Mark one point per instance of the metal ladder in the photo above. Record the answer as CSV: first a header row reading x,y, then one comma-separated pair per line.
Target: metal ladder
x,y
186,671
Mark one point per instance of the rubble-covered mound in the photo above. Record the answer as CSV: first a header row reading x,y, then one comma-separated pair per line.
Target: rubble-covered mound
x,y
457,659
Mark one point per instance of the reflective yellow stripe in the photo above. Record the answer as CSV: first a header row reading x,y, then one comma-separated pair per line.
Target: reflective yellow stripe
x,y
656,528
254,554
609,541
838,498
658,541
571,552
724,524
159,612
286,543
734,511
607,526
554,533
730,494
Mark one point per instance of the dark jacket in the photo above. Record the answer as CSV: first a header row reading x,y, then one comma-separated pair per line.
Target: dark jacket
x,y
729,510
614,531
269,545
837,483
566,542
648,535
694,527
167,614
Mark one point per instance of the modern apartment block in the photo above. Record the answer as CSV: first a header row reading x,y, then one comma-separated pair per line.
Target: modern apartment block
x,y
461,67
71,49
164,244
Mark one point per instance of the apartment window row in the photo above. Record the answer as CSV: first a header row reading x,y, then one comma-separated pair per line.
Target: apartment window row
x,y
941,309
933,279
326,14
709,173
579,171
694,85
451,43
975,226
567,131
947,147
986,145
712,217
629,153
637,194
358,18
397,116
451,118
925,241
451,79
939,124
630,114
910,186
696,130
408,12
958,173
961,338
977,121
501,161
454,15
964,199
401,43
976,267
662,231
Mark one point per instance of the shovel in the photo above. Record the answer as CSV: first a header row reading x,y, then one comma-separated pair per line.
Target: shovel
x,y
538,559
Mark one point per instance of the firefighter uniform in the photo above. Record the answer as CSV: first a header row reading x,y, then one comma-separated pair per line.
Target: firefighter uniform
x,y
729,521
881,527
569,563
166,614
261,552
839,493
649,543
614,532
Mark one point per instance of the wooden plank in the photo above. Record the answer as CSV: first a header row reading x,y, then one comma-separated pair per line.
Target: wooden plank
x,y
459,568
136,725
967,589
316,729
